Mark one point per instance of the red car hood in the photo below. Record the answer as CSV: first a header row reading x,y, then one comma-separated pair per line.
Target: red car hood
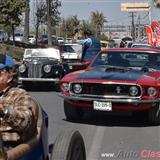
x,y
115,75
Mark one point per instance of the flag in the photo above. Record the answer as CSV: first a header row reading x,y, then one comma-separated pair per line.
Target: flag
x,y
149,34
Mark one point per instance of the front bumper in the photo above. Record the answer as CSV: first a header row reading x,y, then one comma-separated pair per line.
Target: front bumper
x,y
38,79
115,100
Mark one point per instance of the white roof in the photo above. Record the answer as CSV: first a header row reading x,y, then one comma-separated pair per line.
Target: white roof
x,y
42,52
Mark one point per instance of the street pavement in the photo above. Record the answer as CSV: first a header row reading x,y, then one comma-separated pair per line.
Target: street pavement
x,y
106,136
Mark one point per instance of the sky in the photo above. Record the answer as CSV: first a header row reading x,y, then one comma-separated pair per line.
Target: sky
x,y
110,9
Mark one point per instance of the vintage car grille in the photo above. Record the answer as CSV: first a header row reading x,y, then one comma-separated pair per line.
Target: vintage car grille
x,y
34,70
106,90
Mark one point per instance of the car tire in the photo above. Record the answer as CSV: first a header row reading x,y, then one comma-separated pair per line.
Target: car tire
x,y
69,145
72,112
154,115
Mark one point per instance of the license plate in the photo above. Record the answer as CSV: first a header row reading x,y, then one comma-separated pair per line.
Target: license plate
x,y
103,106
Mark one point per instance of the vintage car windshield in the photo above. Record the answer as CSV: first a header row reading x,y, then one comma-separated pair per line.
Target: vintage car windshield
x,y
42,53
128,59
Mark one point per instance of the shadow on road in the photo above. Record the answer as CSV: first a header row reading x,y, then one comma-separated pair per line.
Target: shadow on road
x,y
41,87
101,119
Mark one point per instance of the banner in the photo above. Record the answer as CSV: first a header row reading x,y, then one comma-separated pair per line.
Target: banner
x,y
156,31
149,34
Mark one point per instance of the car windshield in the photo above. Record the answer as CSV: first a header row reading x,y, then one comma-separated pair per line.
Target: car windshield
x,y
128,59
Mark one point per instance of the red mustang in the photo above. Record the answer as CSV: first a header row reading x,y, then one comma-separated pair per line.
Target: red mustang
x,y
118,79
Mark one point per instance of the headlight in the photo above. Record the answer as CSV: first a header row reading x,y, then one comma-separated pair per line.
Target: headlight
x,y
133,91
152,91
77,88
47,68
22,68
65,86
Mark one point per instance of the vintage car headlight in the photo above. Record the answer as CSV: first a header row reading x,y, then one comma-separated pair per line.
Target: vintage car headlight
x,y
47,68
151,91
22,68
77,88
133,91
65,86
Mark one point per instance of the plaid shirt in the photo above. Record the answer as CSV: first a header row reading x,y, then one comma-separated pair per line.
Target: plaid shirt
x,y
19,119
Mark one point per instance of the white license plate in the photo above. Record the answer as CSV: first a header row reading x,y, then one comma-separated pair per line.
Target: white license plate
x,y
103,106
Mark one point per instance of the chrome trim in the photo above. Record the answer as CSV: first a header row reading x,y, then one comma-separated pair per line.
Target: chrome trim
x,y
118,100
39,79
90,95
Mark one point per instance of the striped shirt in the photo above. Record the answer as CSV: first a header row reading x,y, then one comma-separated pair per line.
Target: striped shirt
x,y
20,114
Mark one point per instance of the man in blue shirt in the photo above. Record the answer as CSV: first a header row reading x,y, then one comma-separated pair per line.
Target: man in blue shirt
x,y
91,46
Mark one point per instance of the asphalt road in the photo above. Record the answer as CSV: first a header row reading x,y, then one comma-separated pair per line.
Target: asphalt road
x,y
106,137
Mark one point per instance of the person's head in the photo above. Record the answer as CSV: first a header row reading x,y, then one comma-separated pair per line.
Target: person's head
x,y
87,33
8,73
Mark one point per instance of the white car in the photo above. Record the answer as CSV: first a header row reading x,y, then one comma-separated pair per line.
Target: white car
x,y
32,39
71,53
18,37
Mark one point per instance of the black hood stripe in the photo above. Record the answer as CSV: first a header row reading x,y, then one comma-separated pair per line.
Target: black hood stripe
x,y
131,75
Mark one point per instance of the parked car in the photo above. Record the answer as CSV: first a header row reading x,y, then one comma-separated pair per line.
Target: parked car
x,y
41,65
104,44
70,52
60,40
18,37
141,45
42,39
126,84
32,39
38,148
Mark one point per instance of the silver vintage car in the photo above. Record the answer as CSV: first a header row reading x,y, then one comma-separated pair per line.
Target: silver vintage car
x,y
41,65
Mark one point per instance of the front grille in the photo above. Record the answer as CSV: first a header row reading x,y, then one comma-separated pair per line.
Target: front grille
x,y
34,70
106,90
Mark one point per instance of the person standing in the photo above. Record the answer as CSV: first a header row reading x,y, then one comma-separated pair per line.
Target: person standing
x,y
90,45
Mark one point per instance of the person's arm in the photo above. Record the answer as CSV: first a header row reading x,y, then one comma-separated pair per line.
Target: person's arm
x,y
22,114
87,42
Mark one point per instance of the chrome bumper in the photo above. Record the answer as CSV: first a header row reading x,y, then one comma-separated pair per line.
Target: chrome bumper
x,y
117,100
39,79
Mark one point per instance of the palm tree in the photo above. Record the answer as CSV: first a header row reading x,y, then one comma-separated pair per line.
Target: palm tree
x,y
97,21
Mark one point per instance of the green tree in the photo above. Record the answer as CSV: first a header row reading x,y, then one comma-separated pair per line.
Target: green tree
x,y
69,25
97,21
40,13
10,12
52,16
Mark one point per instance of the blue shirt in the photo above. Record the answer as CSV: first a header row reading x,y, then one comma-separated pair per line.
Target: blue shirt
x,y
87,42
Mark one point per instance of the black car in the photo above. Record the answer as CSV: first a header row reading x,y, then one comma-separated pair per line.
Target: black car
x,y
41,65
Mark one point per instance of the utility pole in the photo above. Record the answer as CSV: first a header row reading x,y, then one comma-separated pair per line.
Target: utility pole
x,y
138,37
49,21
133,26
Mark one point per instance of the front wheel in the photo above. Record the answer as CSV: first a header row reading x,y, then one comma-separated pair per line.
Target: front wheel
x,y
72,112
69,145
154,115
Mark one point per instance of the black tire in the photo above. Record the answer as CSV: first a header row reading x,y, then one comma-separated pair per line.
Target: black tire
x,y
69,145
72,112
154,115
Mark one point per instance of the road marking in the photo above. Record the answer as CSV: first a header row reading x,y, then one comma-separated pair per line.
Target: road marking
x,y
96,144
